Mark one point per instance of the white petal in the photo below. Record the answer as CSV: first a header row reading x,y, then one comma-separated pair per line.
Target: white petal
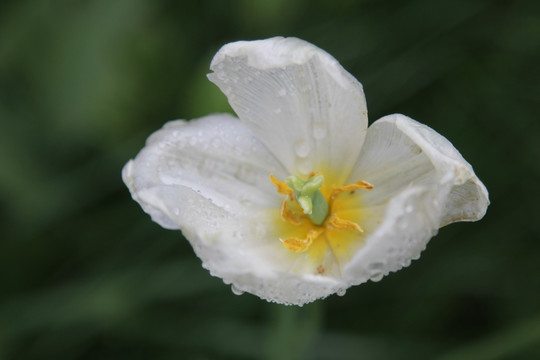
x,y
241,247
421,183
210,178
215,155
400,152
296,99
409,221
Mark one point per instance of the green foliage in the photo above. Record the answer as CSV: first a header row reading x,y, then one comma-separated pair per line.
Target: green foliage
x,y
87,275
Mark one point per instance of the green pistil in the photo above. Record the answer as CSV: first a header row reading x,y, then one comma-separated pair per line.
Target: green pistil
x,y
309,197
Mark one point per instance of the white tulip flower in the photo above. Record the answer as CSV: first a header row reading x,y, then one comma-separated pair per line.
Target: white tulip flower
x,y
297,199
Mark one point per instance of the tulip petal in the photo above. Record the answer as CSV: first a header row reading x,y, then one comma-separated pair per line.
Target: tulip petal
x,y
215,155
399,152
210,178
421,183
297,100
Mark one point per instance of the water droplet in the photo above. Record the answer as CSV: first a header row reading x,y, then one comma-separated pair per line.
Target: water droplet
x,y
282,92
376,277
304,166
406,262
301,147
176,211
246,202
319,131
376,266
341,292
236,291
305,88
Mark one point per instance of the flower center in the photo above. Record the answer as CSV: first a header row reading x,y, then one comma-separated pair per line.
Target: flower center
x,y
310,211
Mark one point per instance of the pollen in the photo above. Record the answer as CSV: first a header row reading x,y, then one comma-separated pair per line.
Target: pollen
x,y
338,223
282,187
287,214
336,229
301,245
362,185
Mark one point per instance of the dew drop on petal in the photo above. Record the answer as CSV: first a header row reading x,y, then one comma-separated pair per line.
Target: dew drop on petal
x,y
376,277
236,291
304,166
376,266
246,202
402,225
406,262
319,130
341,292
301,147
176,211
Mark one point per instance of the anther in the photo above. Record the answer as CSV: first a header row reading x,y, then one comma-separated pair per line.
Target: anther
x,y
301,245
341,224
336,190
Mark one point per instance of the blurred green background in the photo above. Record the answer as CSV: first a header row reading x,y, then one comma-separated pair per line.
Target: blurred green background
x,y
85,274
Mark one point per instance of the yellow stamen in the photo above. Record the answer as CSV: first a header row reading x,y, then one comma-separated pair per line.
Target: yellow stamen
x,y
287,214
301,245
307,235
282,187
336,190
338,223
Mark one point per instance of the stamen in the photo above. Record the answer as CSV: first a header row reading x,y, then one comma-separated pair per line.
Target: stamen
x,y
282,187
301,245
338,223
306,201
336,190
287,214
